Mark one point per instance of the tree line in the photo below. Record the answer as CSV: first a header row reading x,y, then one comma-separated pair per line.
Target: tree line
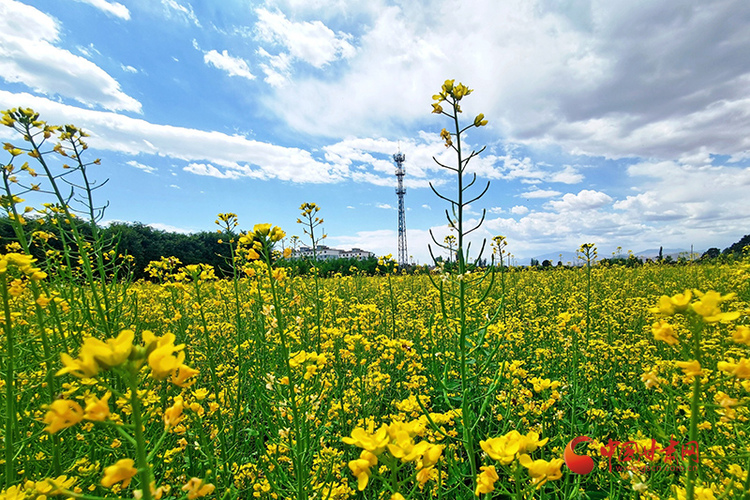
x,y
145,244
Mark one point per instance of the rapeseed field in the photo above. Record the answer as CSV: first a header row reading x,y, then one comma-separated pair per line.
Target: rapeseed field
x,y
470,381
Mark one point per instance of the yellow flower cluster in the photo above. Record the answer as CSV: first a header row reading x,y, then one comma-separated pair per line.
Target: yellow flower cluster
x,y
24,263
398,439
96,354
39,490
312,362
162,355
706,305
516,446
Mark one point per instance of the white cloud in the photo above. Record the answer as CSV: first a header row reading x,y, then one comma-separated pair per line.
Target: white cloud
x,y
128,69
29,56
540,193
278,68
709,201
174,186
208,170
233,66
584,200
110,8
545,232
426,207
174,9
385,206
232,171
519,210
141,166
89,51
169,228
20,20
568,175
312,42
563,73
511,167
236,155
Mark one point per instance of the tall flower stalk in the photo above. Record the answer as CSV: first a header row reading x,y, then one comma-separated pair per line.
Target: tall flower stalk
x,y
469,290
310,220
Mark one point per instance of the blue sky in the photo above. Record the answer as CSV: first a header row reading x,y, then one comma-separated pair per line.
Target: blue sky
x,y
620,123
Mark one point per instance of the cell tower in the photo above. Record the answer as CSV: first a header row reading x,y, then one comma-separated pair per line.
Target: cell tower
x,y
399,158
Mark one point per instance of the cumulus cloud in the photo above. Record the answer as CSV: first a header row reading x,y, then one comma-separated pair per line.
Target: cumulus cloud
x,y
702,198
568,175
510,167
519,210
27,43
540,193
584,200
309,41
110,8
233,66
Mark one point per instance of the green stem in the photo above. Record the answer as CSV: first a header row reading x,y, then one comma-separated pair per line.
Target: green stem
x,y
393,308
39,315
144,470
10,396
694,406
296,444
468,438
214,382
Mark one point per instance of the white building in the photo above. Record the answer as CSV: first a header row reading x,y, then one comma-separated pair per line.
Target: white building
x,y
324,252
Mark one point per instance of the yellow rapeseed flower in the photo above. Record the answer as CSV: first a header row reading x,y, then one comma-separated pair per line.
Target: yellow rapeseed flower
x,y
650,379
97,409
61,414
181,376
361,468
690,368
664,331
373,442
486,480
740,370
542,471
121,472
196,488
96,354
707,306
173,414
166,358
742,335
505,448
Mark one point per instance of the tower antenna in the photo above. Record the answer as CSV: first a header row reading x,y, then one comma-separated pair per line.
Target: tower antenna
x,y
399,158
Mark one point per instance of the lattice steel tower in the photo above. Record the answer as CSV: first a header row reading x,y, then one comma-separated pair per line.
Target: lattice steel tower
x,y
403,257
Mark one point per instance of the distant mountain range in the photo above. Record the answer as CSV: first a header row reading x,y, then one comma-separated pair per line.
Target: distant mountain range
x,y
651,253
